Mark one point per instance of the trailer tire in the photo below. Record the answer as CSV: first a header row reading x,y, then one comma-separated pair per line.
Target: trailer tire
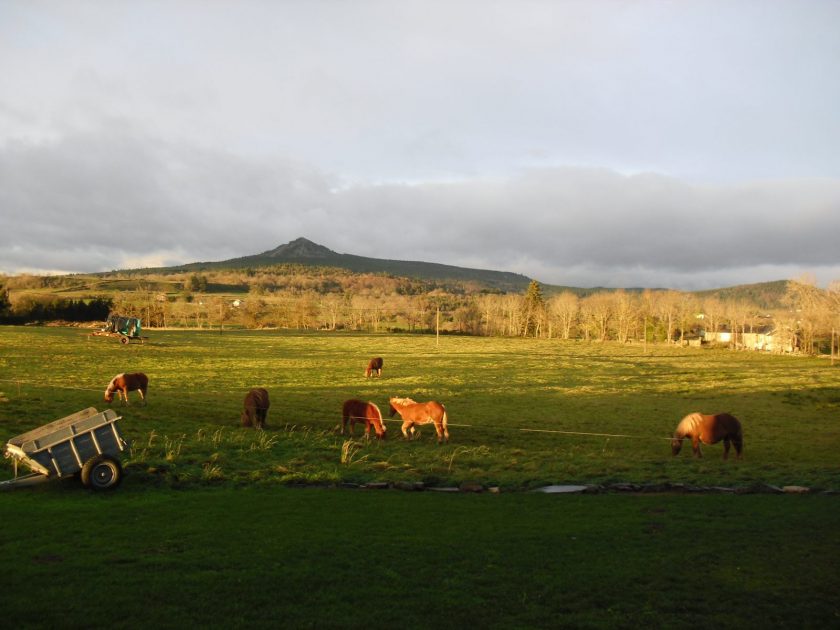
x,y
124,340
102,473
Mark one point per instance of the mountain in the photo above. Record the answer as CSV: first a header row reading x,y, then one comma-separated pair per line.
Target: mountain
x,y
304,252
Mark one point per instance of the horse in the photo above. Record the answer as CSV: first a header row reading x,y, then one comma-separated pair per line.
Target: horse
x,y
256,408
374,365
414,413
709,430
357,410
124,383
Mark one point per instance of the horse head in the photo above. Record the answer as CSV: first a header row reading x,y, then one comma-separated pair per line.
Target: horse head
x,y
676,445
109,391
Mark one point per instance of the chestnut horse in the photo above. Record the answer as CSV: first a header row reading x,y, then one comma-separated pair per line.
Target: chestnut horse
x,y
359,411
374,366
256,408
414,413
709,430
124,383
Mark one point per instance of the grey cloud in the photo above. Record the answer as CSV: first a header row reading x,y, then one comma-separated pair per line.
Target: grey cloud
x,y
90,202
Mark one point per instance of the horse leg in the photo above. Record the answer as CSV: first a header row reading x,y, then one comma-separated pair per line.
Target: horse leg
x,y
404,427
725,448
142,396
695,445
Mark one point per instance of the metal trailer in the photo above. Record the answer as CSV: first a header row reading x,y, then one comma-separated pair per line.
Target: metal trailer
x,y
126,329
87,443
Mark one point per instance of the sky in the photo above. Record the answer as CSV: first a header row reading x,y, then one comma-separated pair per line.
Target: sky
x,y
631,143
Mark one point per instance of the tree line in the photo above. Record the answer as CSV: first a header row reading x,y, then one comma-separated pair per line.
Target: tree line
x,y
806,317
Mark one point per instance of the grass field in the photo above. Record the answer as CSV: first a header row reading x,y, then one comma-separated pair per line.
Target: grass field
x,y
205,532
519,409
324,558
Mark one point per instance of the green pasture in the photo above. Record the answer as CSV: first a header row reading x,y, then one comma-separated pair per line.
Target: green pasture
x,y
331,558
211,529
523,412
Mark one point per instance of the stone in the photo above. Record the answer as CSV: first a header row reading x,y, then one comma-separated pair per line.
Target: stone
x,y
562,489
379,485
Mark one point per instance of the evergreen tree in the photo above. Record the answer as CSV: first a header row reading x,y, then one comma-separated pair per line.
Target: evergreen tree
x,y
533,309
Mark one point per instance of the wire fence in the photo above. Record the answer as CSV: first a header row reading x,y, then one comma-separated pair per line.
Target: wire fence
x,y
484,427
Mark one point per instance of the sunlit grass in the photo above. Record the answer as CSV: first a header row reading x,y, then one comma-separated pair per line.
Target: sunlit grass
x,y
522,412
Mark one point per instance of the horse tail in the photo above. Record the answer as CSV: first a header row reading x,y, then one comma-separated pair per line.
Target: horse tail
x,y
379,418
443,423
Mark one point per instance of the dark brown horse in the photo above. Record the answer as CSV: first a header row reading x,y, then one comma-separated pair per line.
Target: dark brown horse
x,y
414,413
355,411
709,430
374,367
124,383
256,408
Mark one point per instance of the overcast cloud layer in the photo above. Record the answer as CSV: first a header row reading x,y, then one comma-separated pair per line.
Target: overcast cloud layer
x,y
689,145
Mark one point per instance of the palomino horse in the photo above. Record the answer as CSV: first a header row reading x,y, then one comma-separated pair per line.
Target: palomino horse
x,y
256,408
374,367
359,411
709,430
124,383
414,413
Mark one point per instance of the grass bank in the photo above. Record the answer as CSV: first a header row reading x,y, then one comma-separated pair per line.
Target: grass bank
x,y
325,558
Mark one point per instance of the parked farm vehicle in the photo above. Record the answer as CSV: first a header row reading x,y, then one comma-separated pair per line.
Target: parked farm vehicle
x,y
87,443
126,329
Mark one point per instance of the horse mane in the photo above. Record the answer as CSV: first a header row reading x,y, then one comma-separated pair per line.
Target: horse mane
x,y
113,383
688,424
403,401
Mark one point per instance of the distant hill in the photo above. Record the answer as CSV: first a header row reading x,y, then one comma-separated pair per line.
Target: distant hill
x,y
304,252
768,295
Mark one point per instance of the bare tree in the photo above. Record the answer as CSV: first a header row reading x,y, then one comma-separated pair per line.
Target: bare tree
x,y
667,308
597,311
713,314
565,308
625,310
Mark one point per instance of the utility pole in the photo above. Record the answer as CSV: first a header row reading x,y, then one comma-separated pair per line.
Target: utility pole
x,y
437,327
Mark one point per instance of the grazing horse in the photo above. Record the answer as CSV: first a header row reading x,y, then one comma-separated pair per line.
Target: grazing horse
x,y
374,366
256,408
124,383
357,410
414,413
709,430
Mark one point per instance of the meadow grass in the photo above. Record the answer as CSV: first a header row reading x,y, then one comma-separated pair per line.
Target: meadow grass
x,y
523,412
204,531
267,558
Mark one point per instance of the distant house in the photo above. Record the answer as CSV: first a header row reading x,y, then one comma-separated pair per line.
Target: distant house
x,y
764,339
236,303
768,340
724,336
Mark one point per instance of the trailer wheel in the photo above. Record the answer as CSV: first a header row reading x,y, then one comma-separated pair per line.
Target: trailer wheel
x,y
123,340
101,473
